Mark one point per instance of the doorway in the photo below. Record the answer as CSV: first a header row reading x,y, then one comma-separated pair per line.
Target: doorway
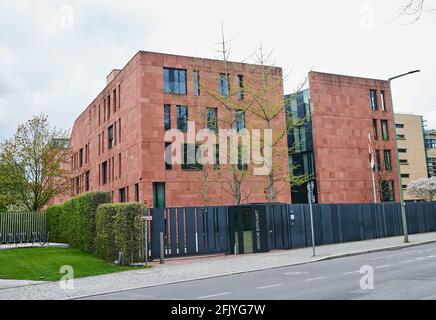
x,y
159,197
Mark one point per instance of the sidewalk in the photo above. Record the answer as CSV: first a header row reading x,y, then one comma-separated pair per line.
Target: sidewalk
x,y
200,268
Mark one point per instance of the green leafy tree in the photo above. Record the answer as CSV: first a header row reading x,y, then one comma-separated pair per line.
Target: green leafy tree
x,y
32,162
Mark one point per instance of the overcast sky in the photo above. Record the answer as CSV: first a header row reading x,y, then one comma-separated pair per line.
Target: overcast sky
x,y
55,55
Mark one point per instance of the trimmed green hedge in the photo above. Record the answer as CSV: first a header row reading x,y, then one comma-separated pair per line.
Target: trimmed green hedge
x,y
119,227
74,221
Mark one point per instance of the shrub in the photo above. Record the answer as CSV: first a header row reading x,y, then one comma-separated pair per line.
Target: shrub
x,y
74,221
105,241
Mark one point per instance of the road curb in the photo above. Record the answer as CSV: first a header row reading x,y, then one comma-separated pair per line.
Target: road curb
x,y
326,258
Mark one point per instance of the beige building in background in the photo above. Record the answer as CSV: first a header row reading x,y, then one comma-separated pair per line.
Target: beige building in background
x,y
411,150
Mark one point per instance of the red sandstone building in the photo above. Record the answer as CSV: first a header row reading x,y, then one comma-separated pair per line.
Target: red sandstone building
x,y
118,143
333,146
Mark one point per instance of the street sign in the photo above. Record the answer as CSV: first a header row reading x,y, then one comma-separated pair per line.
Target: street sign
x,y
148,218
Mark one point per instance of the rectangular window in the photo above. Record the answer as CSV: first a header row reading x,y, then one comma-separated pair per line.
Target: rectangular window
x,y
175,81
119,131
81,158
87,181
137,192
119,165
110,136
114,94
99,144
168,156
217,158
224,85
108,107
122,195
182,118
240,120
388,160
241,87
212,119
374,105
190,160
387,191
374,128
401,137
385,131
104,172
378,159
404,161
383,100
104,110
399,126
196,83
99,114
402,150
405,175
167,117
242,158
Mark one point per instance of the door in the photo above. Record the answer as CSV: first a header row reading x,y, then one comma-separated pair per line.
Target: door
x,y
242,226
159,198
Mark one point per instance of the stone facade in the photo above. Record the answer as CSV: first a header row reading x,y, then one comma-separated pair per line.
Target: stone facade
x,y
342,117
133,103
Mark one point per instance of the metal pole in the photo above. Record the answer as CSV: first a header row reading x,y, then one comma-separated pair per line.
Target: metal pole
x,y
373,185
146,237
162,248
402,204
310,190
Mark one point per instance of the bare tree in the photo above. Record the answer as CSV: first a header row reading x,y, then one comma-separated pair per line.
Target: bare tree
x,y
414,9
423,189
32,163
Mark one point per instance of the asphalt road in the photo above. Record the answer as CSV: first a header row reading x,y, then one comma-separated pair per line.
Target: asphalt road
x,y
399,274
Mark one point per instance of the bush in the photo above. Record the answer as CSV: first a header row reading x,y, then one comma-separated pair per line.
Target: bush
x,y
120,228
74,221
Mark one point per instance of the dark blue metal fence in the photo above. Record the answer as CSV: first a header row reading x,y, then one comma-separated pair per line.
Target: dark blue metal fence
x,y
200,231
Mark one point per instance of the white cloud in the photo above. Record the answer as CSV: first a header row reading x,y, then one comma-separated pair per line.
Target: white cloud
x,y
48,68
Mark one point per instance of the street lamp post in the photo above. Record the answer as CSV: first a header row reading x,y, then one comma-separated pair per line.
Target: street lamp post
x,y
402,203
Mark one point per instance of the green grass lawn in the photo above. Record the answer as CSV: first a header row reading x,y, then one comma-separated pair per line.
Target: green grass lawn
x,y
43,264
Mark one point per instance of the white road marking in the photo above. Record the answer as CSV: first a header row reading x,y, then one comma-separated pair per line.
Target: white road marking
x,y
214,295
420,258
407,261
352,272
315,279
431,256
295,273
271,286
385,266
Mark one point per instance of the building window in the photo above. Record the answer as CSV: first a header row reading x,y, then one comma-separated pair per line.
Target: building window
x,y
182,118
388,160
383,100
374,105
175,81
387,191
242,158
240,120
385,131
241,87
167,117
378,159
119,131
168,156
137,192
81,158
224,85
110,136
104,172
216,165
196,83
114,94
212,119
404,161
405,175
108,107
87,181
399,126
401,137
374,128
190,160
402,150
122,195
119,165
